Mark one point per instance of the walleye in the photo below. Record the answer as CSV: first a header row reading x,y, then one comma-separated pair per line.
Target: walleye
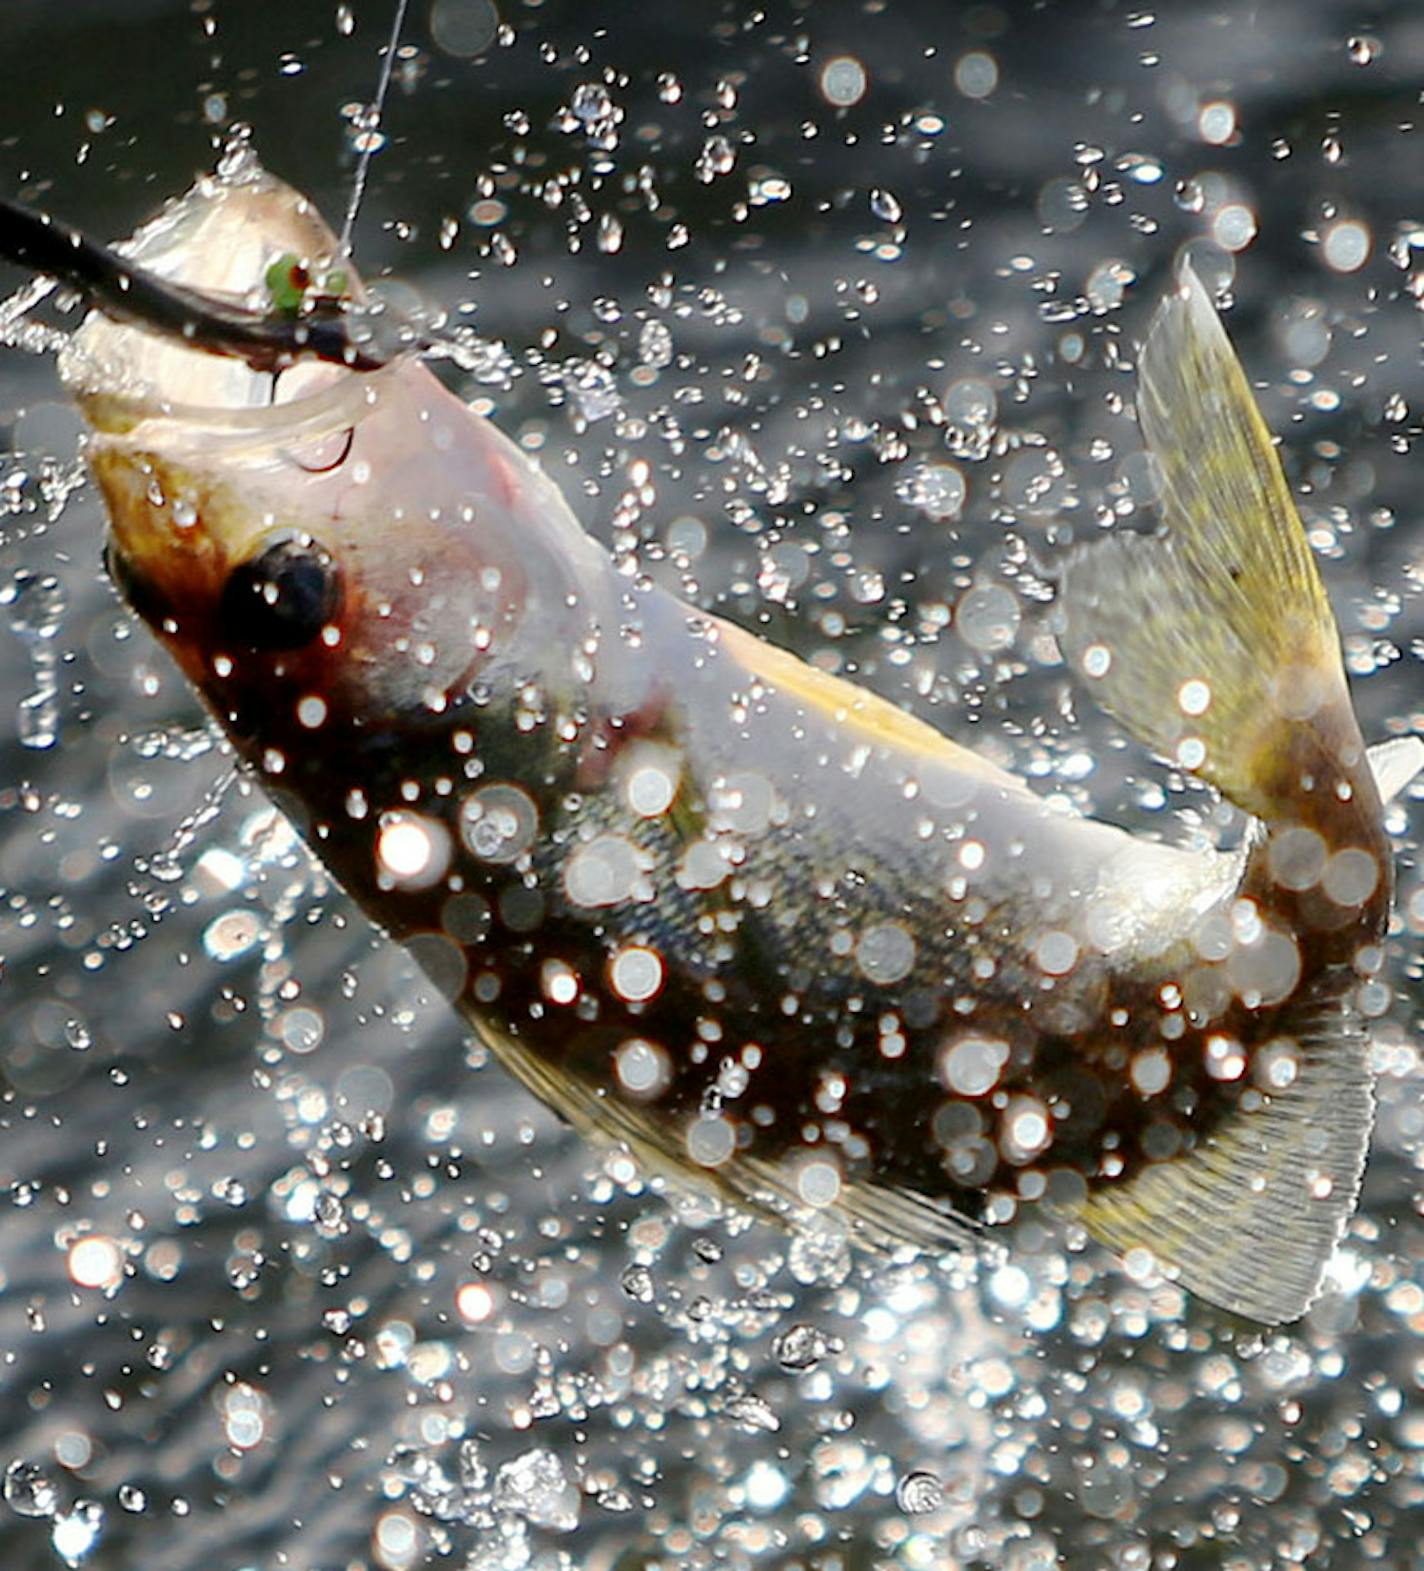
x,y
751,920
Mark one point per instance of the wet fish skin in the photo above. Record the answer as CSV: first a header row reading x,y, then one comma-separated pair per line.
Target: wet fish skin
x,y
753,921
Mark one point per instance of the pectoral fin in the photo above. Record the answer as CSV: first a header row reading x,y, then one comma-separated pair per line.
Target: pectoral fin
x,y
881,1217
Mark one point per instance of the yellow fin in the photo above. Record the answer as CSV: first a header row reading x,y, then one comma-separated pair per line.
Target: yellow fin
x,y
1213,641
861,712
1249,1218
882,1218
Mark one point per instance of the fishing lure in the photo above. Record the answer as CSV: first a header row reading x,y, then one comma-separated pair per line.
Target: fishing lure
x,y
755,922
129,293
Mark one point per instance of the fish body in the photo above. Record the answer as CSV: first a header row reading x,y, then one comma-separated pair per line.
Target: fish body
x,y
754,921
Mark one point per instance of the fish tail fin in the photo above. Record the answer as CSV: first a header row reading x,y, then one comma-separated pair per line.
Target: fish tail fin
x,y
1248,1219
1213,642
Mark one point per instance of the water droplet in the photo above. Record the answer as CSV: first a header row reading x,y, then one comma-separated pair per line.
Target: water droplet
x,y
843,81
988,617
718,157
38,720
232,934
29,1490
1234,226
77,1532
936,489
1142,168
919,1493
534,1485
464,28
1216,122
643,1068
655,346
1346,245
593,389
637,1283
96,1261
1062,205
605,872
971,1065
36,604
330,1215
885,205
804,1346
592,111
766,187
885,953
976,74
1190,196
766,1486
1107,284
498,823
752,1413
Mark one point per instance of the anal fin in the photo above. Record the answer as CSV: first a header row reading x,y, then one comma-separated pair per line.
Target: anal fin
x,y
1249,1218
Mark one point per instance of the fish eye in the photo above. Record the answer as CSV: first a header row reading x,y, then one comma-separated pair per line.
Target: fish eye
x,y
282,597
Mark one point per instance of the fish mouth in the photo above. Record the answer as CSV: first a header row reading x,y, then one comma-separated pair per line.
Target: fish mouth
x,y
239,237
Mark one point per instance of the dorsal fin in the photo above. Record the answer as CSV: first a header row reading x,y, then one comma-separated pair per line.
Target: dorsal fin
x,y
862,713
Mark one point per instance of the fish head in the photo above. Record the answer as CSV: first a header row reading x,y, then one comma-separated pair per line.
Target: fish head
x,y
317,547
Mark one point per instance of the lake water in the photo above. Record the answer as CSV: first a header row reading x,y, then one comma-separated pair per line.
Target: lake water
x,y
288,1275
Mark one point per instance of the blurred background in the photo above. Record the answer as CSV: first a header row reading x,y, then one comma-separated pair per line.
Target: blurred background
x,y
826,313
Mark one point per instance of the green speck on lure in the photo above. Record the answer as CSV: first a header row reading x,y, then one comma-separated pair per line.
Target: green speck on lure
x,y
289,284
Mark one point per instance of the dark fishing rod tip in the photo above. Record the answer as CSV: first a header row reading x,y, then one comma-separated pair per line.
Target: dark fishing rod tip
x,y
140,298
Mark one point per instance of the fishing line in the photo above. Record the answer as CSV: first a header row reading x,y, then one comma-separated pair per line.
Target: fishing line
x,y
371,125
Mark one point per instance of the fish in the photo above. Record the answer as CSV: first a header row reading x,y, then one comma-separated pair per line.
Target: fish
x,y
769,932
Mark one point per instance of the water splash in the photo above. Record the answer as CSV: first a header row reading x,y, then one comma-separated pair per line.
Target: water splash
x,y
36,603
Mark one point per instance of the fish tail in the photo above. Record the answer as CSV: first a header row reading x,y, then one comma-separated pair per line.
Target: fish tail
x,y
1214,643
